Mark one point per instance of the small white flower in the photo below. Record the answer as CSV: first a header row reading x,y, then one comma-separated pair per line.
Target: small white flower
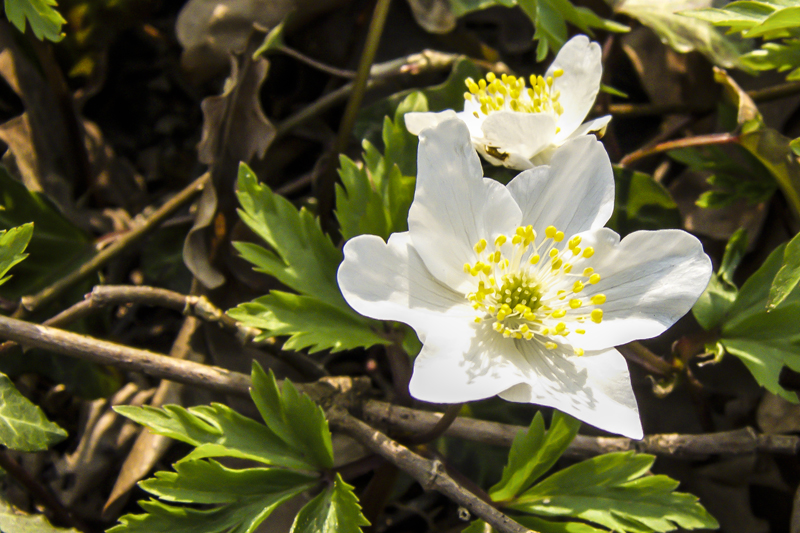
x,y
518,290
518,126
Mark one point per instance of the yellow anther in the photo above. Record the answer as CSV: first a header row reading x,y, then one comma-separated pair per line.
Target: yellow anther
x,y
521,309
529,315
497,326
575,303
553,252
550,345
599,299
477,319
516,239
588,252
528,335
578,351
490,77
481,246
577,286
517,335
594,278
567,268
500,240
557,73
550,232
560,327
556,263
535,259
467,267
559,313
588,271
524,327
576,250
597,316
559,236
575,241
580,331
545,331
533,80
467,96
487,269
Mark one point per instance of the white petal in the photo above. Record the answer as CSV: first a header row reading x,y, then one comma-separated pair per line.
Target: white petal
x,y
388,281
581,62
469,362
650,279
574,193
597,125
594,388
416,121
526,134
454,207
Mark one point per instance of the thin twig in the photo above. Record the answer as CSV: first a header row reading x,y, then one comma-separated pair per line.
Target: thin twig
x,y
40,493
638,353
333,71
439,428
428,473
190,305
48,294
700,140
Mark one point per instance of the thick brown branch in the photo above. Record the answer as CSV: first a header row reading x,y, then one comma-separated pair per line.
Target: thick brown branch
x,y
741,441
429,473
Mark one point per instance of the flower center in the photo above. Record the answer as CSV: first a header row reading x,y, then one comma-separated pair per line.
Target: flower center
x,y
527,297
510,93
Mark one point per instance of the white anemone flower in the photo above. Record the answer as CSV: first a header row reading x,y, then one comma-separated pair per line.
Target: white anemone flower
x,y
519,291
518,126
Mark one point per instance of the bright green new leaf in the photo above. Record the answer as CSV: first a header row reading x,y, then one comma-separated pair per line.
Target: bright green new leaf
x,y
533,453
12,247
308,322
301,256
242,516
14,520
23,425
335,510
218,431
714,303
374,198
776,56
209,482
549,17
787,18
614,491
56,246
683,34
273,39
788,277
294,417
540,525
45,21
641,203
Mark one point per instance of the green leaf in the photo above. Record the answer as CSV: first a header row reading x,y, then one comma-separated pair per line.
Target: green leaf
x,y
335,510
477,526
301,256
308,322
209,482
374,197
614,491
782,57
273,39
218,431
45,21
681,33
243,516
533,453
14,520
782,19
56,246
23,425
294,417
641,203
541,525
12,245
772,149
717,299
788,277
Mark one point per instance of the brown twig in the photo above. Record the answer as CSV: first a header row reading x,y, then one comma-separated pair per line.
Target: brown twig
x,y
310,61
428,473
349,392
741,441
48,294
40,493
700,140
639,354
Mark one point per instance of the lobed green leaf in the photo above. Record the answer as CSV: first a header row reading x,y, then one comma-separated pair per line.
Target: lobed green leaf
x,y
788,277
23,425
12,247
44,19
335,510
